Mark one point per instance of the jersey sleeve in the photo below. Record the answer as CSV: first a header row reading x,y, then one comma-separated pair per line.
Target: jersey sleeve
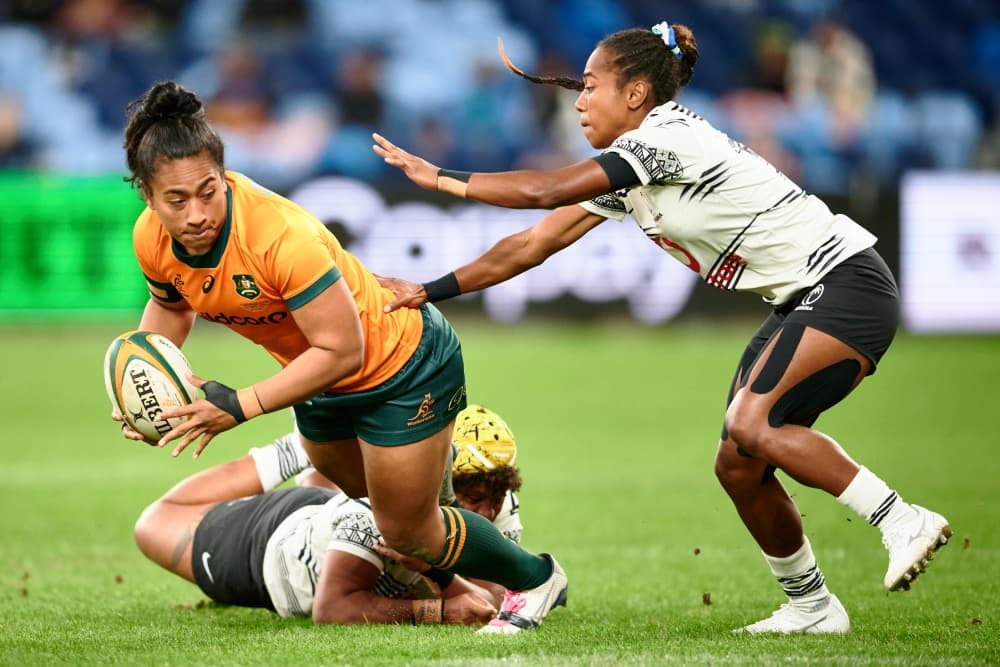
x,y
649,152
161,291
508,519
300,263
144,247
356,534
607,206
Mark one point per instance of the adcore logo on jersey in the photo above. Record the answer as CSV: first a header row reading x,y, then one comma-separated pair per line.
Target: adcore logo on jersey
x,y
240,320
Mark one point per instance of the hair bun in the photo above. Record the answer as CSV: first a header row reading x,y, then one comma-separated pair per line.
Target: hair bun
x,y
170,100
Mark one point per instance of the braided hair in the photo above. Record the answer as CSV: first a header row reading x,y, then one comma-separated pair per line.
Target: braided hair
x,y
167,122
633,53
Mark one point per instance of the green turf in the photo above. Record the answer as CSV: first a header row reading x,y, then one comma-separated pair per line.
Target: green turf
x,y
616,428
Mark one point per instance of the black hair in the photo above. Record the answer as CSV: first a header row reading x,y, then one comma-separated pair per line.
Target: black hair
x,y
495,482
167,122
638,52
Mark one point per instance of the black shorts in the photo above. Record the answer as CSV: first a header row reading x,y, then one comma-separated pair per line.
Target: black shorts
x,y
857,302
227,555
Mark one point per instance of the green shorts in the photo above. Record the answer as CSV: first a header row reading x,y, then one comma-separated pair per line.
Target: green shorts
x,y
415,403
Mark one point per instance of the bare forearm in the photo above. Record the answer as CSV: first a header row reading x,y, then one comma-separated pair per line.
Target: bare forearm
x,y
226,481
311,373
175,324
509,257
519,252
512,189
534,189
365,607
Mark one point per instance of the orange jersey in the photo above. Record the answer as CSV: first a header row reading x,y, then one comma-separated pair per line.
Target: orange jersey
x,y
272,257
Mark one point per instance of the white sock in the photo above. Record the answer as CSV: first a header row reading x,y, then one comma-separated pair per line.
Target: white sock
x,y
873,500
280,460
799,575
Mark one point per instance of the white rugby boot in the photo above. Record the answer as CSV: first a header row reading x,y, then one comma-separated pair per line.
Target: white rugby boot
x,y
911,544
524,610
827,616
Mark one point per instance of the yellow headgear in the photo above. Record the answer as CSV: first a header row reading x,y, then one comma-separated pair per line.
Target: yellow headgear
x,y
482,441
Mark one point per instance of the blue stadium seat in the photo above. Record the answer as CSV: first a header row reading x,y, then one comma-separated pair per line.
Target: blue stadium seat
x,y
948,126
890,131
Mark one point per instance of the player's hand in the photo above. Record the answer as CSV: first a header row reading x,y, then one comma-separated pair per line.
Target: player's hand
x,y
417,169
410,562
468,609
204,420
128,432
408,294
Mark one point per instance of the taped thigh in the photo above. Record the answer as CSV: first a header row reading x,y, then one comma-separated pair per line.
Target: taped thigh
x,y
753,349
781,356
804,402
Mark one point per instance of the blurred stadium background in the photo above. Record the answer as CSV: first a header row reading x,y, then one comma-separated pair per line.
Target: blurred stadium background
x,y
887,109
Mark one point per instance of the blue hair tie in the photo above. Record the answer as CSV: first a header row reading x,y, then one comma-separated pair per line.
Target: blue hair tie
x,y
666,33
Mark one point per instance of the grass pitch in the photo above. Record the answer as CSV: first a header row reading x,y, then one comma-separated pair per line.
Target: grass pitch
x,y
616,428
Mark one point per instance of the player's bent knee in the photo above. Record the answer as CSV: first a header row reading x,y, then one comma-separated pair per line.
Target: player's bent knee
x,y
736,473
746,423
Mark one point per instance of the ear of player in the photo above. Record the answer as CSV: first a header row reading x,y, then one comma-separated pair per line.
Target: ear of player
x,y
145,374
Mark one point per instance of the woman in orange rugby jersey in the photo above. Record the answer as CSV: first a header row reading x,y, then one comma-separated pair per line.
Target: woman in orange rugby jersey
x,y
374,393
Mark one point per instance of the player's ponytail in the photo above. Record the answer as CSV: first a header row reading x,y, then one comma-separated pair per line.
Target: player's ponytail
x,y
666,62
563,81
167,122
689,51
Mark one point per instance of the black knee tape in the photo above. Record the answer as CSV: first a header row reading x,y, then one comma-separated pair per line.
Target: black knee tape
x,y
804,402
781,355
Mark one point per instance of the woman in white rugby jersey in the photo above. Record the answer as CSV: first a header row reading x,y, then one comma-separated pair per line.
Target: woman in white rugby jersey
x,y
734,219
311,550
302,551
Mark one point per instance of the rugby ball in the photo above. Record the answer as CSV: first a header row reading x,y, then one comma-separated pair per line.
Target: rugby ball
x,y
146,374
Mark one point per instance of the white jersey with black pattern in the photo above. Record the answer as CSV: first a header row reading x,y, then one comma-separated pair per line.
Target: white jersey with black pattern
x,y
508,519
724,211
296,549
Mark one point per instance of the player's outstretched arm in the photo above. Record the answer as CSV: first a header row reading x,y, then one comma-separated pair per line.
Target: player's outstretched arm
x,y
526,188
509,257
165,530
345,594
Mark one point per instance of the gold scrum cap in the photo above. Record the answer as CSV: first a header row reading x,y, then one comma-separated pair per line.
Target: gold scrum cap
x,y
482,441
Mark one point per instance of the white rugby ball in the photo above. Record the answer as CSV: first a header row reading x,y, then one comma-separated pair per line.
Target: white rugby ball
x,y
146,374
